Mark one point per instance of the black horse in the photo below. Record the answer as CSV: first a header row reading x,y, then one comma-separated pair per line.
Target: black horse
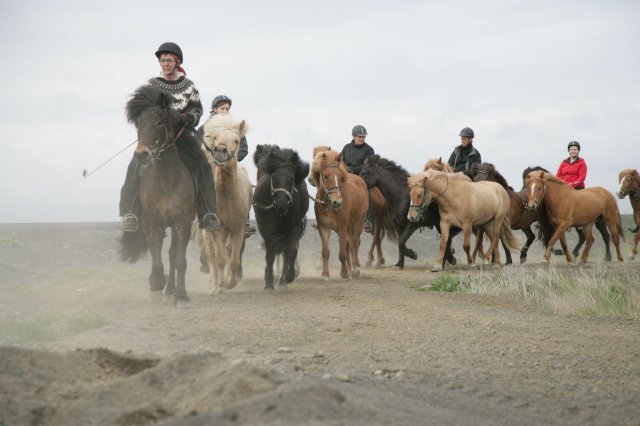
x,y
547,229
391,180
521,218
280,204
166,191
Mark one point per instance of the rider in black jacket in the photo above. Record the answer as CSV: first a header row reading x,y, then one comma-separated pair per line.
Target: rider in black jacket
x,y
465,154
353,154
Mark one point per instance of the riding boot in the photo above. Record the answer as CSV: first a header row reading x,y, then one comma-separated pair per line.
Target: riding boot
x,y
368,221
130,208
207,200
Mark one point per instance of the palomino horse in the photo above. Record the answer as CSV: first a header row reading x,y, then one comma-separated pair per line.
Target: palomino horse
x,y
342,208
223,247
391,180
465,204
281,202
166,191
567,207
630,185
520,217
382,220
547,229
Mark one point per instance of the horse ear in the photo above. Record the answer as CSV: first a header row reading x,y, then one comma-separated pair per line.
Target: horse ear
x,y
339,157
439,160
242,128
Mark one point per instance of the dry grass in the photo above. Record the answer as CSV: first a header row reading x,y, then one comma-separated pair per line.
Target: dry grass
x,y
593,291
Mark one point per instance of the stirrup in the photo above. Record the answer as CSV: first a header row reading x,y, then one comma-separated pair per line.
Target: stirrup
x,y
210,222
129,223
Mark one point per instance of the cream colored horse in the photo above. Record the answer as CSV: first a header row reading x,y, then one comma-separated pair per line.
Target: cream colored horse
x,y
465,204
222,135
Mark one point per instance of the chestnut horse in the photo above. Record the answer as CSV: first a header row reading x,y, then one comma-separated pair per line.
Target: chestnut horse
x,y
223,247
567,207
382,219
344,203
629,182
465,204
166,191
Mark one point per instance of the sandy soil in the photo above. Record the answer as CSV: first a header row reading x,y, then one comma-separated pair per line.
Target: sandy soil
x,y
82,342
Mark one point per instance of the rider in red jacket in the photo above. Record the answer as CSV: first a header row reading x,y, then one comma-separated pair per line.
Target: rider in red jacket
x,y
573,170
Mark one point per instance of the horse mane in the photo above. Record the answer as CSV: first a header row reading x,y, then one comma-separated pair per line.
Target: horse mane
x,y
491,170
416,180
437,164
388,165
327,158
459,175
285,157
632,173
145,97
225,122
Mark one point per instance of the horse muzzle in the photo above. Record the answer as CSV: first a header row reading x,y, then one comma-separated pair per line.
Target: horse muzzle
x,y
336,204
531,206
143,156
621,195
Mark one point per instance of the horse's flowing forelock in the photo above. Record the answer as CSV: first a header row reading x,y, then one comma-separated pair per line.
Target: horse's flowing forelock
x,y
285,157
416,180
222,122
143,98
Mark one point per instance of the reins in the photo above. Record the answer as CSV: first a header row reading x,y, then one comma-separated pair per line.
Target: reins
x,y
274,191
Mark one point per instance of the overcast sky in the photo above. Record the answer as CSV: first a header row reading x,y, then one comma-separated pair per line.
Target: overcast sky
x,y
528,77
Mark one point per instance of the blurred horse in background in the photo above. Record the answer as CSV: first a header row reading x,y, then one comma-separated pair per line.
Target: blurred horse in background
x,y
629,184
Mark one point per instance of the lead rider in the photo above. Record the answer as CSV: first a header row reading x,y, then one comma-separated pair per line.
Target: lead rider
x,y
186,101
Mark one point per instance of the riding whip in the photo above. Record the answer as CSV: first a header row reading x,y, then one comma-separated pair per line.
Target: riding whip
x,y
86,174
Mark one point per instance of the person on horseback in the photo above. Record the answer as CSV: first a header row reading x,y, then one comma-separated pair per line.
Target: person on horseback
x,y
186,101
465,155
221,104
573,169
354,154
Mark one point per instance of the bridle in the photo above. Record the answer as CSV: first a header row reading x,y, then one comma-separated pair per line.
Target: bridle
x,y
422,207
331,190
274,191
167,142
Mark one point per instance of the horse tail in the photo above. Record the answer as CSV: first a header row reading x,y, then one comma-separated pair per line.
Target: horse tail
x,y
620,229
389,228
507,237
133,246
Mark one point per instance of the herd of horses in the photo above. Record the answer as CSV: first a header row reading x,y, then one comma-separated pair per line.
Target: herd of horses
x,y
484,205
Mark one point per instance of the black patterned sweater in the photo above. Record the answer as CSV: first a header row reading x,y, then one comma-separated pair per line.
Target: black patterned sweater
x,y
186,99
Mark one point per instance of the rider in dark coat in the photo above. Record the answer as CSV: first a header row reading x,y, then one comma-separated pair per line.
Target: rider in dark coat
x,y
353,154
186,101
465,154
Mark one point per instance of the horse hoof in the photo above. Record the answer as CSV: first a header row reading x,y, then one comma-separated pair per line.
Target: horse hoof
x,y
607,258
558,252
368,263
231,285
411,254
266,287
355,274
215,292
452,261
325,278
344,275
523,259
436,268
398,267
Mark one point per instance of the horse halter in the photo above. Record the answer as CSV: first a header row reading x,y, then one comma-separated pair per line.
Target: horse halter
x,y
274,191
422,207
326,190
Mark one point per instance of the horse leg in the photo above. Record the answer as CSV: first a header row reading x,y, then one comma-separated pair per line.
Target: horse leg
x,y
171,282
615,236
466,244
157,280
270,256
634,247
565,247
289,271
494,232
530,238
444,237
448,253
602,227
342,255
403,250
376,234
380,237
576,249
507,253
588,236
182,234
558,234
234,261
324,237
355,259
209,248
478,246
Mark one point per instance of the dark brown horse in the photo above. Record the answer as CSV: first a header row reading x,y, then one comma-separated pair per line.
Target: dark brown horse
x,y
629,182
166,191
520,217
567,207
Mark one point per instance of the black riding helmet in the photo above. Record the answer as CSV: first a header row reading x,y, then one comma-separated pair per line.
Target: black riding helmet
x,y
170,47
220,99
358,130
467,132
573,143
